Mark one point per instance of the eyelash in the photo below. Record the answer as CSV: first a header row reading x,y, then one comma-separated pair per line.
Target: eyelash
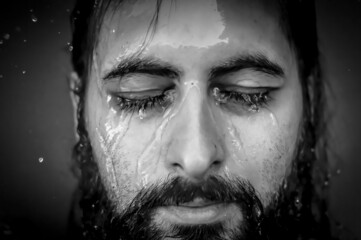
x,y
254,101
142,104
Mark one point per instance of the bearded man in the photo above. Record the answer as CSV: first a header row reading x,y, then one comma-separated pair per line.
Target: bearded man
x,y
199,119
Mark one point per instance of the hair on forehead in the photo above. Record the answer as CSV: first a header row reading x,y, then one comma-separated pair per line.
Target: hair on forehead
x,y
86,21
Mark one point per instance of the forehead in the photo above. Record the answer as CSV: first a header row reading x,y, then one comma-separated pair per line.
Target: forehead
x,y
192,26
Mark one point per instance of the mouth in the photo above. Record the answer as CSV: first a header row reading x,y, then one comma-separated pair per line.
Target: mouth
x,y
198,211
198,203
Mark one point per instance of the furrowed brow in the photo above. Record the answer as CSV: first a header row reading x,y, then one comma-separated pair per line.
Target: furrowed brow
x,y
257,62
150,66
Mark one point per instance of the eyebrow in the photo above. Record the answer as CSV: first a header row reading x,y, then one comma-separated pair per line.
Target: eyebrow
x,y
149,65
257,62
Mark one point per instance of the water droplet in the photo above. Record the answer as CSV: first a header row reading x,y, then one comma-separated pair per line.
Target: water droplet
x,y
113,31
338,171
25,41
218,96
326,183
1,76
41,159
141,113
1,41
258,212
59,33
68,10
253,108
23,72
31,10
70,47
18,29
312,150
6,36
298,203
34,18
215,92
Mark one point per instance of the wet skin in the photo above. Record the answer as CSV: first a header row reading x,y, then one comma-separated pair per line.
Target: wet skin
x,y
200,120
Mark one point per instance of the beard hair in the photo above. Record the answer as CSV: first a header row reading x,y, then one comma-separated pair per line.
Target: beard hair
x,y
100,220
135,222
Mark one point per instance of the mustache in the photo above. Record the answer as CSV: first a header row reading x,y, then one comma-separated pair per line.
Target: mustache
x,y
178,190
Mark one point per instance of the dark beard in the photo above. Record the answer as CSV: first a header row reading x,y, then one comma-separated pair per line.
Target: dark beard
x,y
135,222
282,219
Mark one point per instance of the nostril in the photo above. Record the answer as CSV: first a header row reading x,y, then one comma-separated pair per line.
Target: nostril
x,y
217,163
176,165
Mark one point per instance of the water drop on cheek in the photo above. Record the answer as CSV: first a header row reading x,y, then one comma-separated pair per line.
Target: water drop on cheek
x,y
253,108
216,95
273,119
141,113
34,18
109,98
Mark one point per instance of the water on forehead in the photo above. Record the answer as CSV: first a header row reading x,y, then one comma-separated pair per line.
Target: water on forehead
x,y
186,23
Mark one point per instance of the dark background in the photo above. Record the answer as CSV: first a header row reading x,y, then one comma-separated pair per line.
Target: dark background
x,y
36,121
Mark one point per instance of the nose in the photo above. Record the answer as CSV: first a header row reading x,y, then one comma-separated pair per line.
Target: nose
x,y
195,148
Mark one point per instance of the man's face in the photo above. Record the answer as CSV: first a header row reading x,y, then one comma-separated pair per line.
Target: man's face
x,y
211,89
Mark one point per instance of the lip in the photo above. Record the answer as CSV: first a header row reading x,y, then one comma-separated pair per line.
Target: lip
x,y
200,212
198,203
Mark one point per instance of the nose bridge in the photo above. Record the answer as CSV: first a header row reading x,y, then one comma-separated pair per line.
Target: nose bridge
x,y
192,111
194,150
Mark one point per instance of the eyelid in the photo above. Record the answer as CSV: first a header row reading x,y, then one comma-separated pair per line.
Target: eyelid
x,y
247,89
249,78
138,84
142,94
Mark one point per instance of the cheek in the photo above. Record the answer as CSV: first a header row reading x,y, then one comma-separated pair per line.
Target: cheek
x,y
107,130
276,163
262,148
121,148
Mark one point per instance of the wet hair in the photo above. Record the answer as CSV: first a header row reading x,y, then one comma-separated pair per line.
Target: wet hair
x,y
304,212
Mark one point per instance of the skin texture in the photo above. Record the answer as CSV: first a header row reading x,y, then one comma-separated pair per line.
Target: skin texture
x,y
196,135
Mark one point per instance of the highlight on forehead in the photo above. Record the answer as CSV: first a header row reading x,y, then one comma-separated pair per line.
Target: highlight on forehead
x,y
124,16
135,22
88,18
